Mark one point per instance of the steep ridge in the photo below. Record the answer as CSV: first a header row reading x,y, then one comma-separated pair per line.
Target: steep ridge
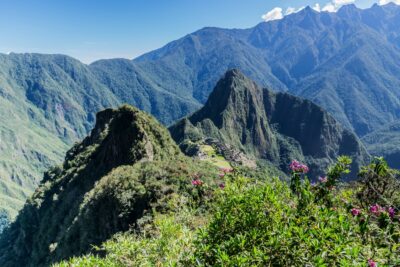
x,y
277,127
126,167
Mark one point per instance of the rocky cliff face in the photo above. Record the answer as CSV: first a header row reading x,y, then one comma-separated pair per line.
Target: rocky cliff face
x,y
277,127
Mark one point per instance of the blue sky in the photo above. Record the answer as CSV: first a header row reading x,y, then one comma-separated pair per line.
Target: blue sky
x,y
95,29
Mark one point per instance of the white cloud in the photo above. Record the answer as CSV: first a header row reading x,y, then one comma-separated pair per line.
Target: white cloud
x,y
329,8
342,2
332,6
335,5
274,14
385,2
292,10
317,7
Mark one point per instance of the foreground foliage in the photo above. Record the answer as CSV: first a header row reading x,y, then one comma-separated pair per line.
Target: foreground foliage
x,y
168,241
271,224
253,222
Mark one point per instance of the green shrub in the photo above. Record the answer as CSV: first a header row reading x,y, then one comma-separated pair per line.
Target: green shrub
x,y
261,224
379,185
167,241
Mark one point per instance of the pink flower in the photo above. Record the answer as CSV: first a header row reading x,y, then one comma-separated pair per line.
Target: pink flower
x,y
221,185
391,212
296,166
375,209
371,263
355,212
197,182
323,179
221,175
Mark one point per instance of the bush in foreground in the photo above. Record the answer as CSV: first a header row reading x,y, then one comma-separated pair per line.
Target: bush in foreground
x,y
273,224
250,222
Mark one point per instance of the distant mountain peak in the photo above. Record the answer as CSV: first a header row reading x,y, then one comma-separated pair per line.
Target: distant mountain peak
x,y
348,7
391,7
234,73
232,92
391,4
234,80
277,127
308,9
349,11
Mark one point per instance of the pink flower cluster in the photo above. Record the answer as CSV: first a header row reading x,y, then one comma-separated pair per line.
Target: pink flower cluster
x,y
197,182
391,212
296,166
371,263
377,210
355,212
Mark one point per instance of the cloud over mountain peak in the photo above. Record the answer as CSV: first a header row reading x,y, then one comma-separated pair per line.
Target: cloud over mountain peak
x,y
332,6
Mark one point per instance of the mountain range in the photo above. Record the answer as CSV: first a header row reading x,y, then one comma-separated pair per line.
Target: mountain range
x,y
346,62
